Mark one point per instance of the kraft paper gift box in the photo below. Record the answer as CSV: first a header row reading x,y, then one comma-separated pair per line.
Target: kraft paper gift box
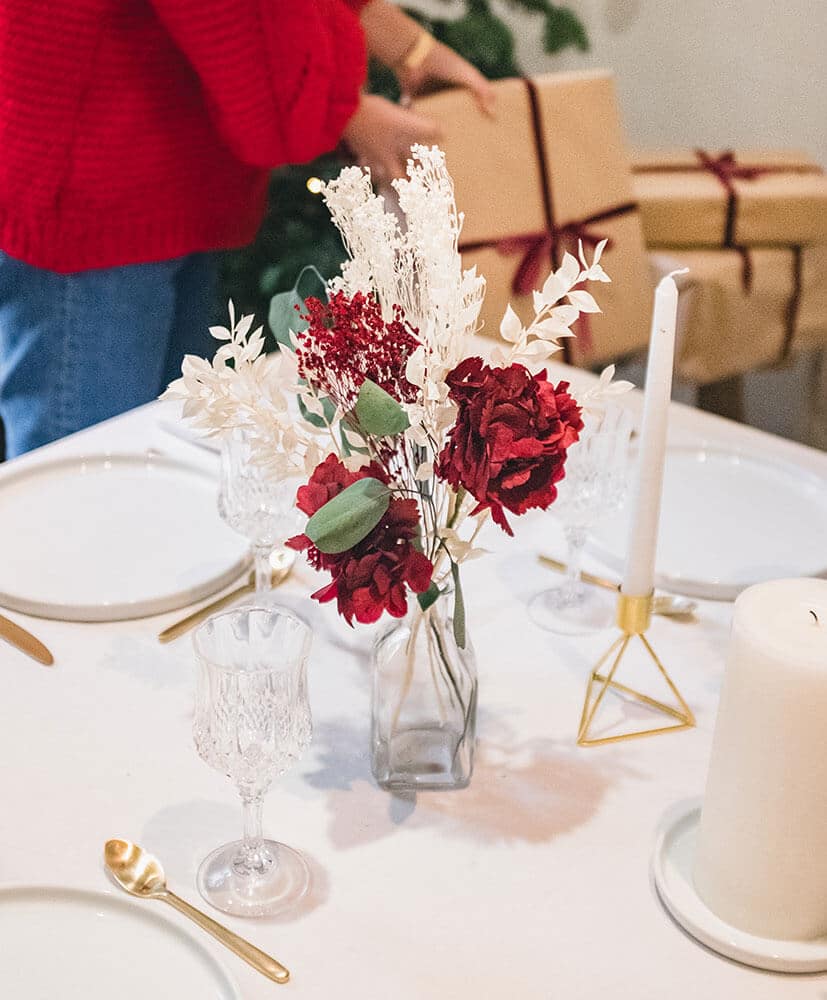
x,y
550,167
699,198
743,310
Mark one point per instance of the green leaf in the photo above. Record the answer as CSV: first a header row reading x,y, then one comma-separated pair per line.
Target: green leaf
x,y
348,447
349,517
563,28
429,596
378,413
459,607
313,282
483,39
314,418
284,317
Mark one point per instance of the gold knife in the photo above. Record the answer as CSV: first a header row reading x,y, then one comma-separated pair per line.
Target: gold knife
x,y
179,628
598,581
25,642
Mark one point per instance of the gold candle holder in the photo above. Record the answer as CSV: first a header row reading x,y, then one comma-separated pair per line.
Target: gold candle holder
x,y
634,615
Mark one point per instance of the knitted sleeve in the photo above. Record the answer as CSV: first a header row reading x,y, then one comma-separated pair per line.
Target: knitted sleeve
x,y
282,77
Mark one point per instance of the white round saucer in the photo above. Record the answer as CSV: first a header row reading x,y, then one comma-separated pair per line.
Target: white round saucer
x,y
672,871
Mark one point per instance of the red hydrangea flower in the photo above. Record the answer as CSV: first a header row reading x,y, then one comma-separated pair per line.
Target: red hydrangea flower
x,y
508,445
372,576
348,340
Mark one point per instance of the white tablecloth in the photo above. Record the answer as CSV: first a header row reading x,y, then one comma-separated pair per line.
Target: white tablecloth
x,y
533,883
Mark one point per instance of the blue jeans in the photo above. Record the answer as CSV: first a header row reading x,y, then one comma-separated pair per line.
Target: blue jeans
x,y
76,349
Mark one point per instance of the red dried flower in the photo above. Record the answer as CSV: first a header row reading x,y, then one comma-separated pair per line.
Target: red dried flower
x,y
372,576
508,445
347,341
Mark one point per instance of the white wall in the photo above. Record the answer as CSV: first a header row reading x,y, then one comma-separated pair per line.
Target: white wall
x,y
702,72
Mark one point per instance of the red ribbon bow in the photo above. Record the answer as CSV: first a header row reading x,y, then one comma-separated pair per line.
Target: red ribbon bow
x,y
537,248
727,169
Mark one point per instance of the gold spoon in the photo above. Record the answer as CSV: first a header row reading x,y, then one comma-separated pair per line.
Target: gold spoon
x,y
664,604
141,874
185,624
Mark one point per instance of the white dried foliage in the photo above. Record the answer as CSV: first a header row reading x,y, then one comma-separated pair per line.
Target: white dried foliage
x,y
557,306
243,388
417,266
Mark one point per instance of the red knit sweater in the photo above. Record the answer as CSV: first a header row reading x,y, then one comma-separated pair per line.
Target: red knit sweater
x,y
137,130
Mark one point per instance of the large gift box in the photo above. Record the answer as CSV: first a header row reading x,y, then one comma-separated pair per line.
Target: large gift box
x,y
700,198
548,170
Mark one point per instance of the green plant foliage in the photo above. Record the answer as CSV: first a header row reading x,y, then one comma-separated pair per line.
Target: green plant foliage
x,y
429,596
349,517
459,607
378,413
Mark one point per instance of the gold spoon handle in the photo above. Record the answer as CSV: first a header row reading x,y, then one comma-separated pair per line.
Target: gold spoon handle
x,y
259,960
180,627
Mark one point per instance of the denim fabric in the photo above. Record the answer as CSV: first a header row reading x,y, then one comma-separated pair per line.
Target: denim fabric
x,y
78,348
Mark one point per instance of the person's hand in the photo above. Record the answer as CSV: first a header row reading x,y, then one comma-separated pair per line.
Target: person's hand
x,y
443,65
380,135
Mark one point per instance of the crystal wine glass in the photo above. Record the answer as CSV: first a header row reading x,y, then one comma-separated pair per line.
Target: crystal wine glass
x,y
258,504
252,720
594,487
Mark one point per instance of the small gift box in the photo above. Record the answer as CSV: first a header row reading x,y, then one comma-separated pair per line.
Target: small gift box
x,y
747,308
697,198
549,170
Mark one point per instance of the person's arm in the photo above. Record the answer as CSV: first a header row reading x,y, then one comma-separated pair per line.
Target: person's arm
x,y
396,40
282,76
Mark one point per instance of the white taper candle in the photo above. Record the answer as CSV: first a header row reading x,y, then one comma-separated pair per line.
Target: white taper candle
x,y
639,575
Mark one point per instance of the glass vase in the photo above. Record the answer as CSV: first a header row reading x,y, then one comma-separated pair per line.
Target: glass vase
x,y
424,702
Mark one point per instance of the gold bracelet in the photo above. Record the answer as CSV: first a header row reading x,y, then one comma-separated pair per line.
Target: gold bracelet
x,y
418,52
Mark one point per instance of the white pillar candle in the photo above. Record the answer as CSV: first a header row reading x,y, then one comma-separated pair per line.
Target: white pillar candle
x,y
639,575
761,862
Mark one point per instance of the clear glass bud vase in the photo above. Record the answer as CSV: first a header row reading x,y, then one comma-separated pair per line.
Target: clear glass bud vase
x,y
424,703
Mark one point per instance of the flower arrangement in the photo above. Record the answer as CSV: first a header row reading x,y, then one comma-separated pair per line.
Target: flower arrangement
x,y
408,439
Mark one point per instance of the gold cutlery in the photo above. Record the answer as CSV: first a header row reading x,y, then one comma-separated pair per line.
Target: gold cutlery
x,y
25,641
664,604
185,624
140,874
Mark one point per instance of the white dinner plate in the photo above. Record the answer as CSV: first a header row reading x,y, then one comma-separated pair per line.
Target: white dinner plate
x,y
109,537
672,863
728,520
70,944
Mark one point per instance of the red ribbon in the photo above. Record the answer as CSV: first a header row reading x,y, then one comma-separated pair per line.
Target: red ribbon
x,y
539,247
727,169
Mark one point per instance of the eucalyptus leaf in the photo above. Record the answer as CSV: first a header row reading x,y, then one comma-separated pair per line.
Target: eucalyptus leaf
x,y
311,282
459,607
284,317
378,413
349,517
429,596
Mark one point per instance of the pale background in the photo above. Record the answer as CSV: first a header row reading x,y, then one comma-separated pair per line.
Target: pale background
x,y
713,73
706,72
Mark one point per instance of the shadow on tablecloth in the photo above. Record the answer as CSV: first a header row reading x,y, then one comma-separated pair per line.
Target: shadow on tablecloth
x,y
528,791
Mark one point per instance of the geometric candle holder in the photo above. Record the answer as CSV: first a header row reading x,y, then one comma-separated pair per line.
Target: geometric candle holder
x,y
634,615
